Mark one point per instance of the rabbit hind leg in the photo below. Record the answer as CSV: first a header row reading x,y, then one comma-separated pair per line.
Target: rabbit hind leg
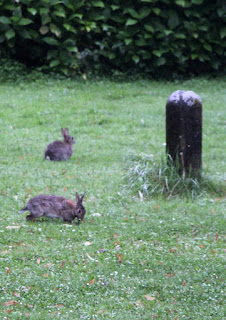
x,y
30,217
34,214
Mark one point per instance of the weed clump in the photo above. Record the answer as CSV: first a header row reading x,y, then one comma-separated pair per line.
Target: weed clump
x,y
151,175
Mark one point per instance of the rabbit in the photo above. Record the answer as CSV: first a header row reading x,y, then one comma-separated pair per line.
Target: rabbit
x,y
60,150
51,206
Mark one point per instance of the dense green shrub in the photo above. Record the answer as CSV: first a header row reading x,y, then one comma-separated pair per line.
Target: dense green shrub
x,y
151,36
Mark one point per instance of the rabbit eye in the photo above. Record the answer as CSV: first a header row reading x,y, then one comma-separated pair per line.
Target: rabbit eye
x,y
79,211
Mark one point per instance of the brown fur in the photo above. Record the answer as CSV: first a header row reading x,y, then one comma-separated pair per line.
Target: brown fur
x,y
60,150
55,207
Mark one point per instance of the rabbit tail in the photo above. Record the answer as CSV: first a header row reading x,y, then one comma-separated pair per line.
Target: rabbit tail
x,y
24,209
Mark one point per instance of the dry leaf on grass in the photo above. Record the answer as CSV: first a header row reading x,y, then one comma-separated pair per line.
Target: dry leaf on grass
x,y
10,303
170,275
149,298
58,305
91,282
101,311
8,311
48,265
62,264
119,257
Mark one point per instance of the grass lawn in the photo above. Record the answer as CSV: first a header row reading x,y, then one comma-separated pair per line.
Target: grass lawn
x,y
156,259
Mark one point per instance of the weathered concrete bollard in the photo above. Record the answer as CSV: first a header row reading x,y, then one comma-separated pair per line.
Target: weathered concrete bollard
x,y
184,131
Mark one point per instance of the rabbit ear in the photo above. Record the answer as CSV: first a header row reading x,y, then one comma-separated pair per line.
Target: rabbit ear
x,y
62,130
66,131
82,196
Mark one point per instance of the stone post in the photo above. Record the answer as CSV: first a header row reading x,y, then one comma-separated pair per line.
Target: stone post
x,y
184,131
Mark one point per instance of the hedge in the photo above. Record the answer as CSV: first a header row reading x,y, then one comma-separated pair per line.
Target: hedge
x,y
150,36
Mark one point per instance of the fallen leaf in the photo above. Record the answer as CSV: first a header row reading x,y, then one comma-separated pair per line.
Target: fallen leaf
x,y
55,289
170,275
157,207
7,270
21,244
115,235
119,257
64,189
28,305
172,250
91,282
10,303
58,305
48,265
31,231
160,262
213,251
52,173
8,311
149,298
201,246
101,311
27,314
62,264
217,236
184,283
38,261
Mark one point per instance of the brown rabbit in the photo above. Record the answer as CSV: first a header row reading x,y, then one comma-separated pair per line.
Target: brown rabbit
x,y
55,207
60,150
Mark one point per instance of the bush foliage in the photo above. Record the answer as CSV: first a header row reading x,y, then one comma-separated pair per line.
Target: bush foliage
x,y
150,36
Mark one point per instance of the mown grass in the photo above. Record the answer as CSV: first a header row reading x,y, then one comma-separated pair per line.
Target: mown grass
x,y
169,250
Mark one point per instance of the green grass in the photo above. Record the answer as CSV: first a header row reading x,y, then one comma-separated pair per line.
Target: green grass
x,y
154,175
170,250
